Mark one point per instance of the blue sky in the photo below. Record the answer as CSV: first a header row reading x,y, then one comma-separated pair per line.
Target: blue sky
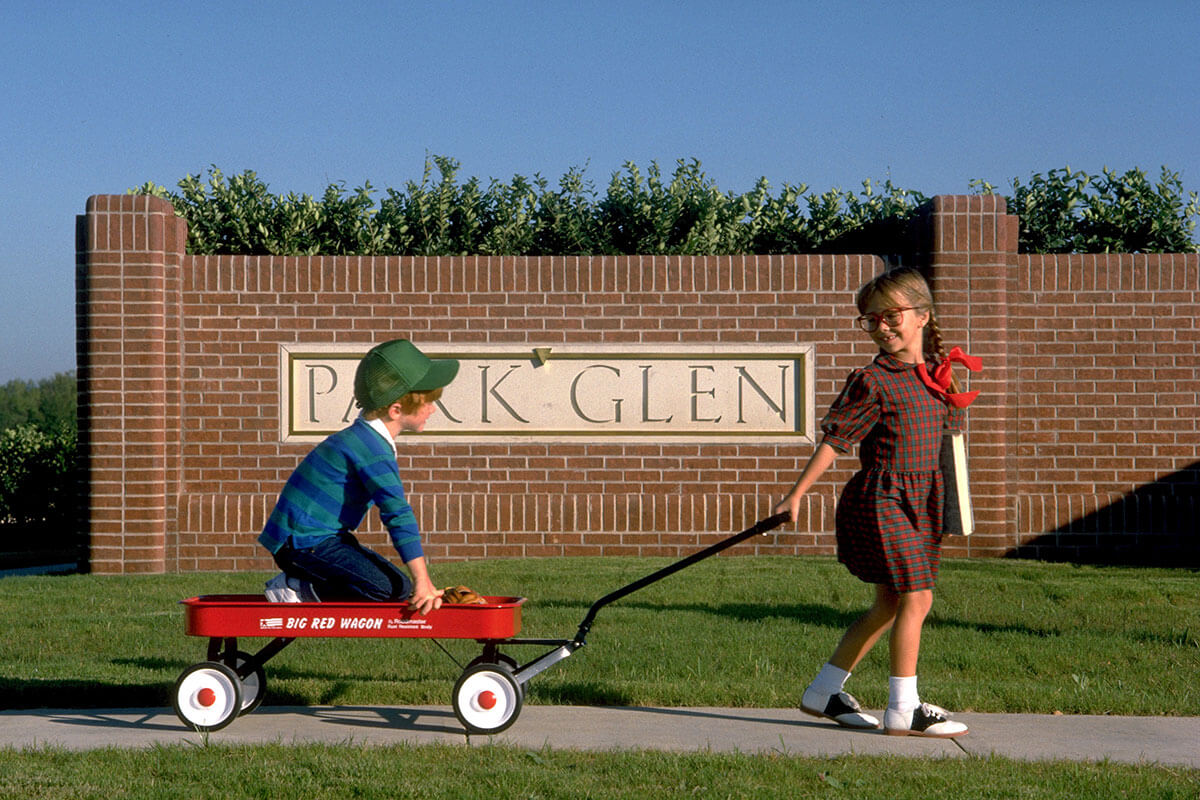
x,y
101,97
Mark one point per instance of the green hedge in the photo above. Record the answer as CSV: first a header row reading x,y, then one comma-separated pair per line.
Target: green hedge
x,y
639,213
1066,211
38,499
37,476
652,213
39,473
38,434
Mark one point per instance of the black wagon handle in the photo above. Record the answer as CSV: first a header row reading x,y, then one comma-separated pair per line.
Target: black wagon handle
x,y
761,527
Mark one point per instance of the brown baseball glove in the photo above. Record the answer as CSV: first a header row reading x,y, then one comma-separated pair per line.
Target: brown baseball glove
x,y
461,595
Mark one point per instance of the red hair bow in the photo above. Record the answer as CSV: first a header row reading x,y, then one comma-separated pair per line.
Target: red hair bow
x,y
939,382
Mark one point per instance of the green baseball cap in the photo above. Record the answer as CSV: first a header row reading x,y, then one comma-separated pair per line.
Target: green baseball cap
x,y
393,369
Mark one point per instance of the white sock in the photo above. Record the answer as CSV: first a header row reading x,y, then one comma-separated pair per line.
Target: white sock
x,y
829,680
902,693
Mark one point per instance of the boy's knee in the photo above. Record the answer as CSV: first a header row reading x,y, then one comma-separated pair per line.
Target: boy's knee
x,y
402,587
383,587
386,586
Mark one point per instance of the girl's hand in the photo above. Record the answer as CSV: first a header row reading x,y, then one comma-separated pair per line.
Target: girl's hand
x,y
790,504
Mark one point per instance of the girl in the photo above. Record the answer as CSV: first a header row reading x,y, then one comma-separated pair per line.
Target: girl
x,y
889,517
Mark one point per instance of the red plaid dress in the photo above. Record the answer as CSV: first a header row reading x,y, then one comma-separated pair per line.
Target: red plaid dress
x,y
889,517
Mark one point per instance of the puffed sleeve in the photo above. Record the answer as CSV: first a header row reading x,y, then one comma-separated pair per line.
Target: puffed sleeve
x,y
956,419
853,414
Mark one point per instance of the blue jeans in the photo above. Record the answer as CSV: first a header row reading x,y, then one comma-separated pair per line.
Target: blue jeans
x,y
340,568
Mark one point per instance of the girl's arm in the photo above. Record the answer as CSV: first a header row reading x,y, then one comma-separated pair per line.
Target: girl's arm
x,y
820,461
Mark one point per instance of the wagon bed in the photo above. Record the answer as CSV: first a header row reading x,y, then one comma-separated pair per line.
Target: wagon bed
x,y
248,615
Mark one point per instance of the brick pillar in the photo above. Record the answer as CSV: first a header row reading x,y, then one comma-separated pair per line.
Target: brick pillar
x,y
973,258
129,251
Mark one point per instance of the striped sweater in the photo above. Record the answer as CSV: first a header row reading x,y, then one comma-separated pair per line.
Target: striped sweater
x,y
333,488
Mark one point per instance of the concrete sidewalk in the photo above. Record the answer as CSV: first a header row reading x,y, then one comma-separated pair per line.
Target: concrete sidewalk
x,y
1161,740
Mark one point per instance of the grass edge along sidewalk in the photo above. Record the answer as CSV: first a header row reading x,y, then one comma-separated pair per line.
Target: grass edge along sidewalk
x,y
496,771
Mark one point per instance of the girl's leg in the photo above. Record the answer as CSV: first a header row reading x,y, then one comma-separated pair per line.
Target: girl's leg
x,y
865,631
824,696
906,714
905,641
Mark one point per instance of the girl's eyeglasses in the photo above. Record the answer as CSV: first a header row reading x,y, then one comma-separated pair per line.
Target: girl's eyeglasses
x,y
892,316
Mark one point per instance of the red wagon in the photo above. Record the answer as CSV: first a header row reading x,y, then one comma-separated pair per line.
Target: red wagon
x,y
487,697
211,694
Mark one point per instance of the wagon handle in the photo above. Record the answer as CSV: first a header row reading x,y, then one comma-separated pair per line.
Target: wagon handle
x,y
761,527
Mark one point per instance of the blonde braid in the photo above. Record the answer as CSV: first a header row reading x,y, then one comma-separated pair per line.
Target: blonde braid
x,y
935,347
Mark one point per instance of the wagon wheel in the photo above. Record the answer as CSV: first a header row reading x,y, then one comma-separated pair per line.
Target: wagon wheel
x,y
254,685
501,658
487,698
208,696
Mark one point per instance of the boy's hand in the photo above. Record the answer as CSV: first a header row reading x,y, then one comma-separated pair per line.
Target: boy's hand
x,y
425,599
425,596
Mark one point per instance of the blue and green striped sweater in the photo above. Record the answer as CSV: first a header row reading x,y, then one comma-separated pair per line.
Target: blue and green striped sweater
x,y
333,488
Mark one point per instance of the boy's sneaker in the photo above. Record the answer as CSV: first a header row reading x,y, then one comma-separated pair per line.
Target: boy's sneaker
x,y
278,590
304,590
924,720
842,708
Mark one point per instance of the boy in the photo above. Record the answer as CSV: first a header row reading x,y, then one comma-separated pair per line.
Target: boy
x,y
309,531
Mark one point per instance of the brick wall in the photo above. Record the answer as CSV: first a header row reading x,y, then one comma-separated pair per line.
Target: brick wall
x,y
128,309
1107,400
178,363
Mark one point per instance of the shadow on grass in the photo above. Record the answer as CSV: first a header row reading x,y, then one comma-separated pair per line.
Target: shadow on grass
x,y
58,693
274,670
18,693
818,615
579,693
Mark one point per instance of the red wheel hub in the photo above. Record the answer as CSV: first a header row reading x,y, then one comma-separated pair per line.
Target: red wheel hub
x,y
487,700
206,697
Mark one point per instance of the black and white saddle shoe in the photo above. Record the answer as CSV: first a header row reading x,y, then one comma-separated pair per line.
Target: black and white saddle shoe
x,y
842,708
925,720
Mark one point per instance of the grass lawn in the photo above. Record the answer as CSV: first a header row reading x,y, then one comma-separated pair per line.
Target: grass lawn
x,y
731,631
328,772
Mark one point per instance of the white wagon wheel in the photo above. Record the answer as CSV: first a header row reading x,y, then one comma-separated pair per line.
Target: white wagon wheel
x,y
487,698
208,696
254,685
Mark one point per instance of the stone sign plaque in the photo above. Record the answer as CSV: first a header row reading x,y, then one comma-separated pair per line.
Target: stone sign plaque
x,y
644,393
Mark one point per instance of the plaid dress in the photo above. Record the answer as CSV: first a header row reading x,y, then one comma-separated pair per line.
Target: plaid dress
x,y
889,517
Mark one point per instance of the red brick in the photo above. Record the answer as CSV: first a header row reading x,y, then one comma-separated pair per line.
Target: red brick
x,y
1063,397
